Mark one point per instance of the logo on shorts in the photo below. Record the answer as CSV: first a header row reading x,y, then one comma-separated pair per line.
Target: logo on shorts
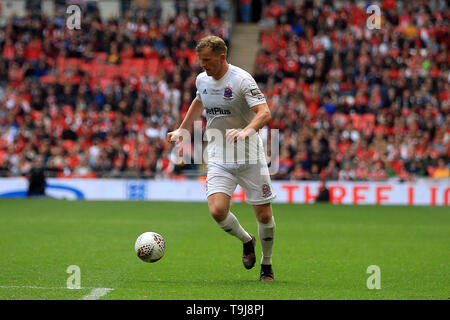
x,y
228,93
266,190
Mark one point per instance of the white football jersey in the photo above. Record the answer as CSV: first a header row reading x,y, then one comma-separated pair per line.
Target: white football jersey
x,y
228,105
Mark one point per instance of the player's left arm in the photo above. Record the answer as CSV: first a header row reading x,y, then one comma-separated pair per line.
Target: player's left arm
x,y
262,117
257,102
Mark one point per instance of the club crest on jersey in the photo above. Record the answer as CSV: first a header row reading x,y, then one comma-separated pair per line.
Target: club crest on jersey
x,y
266,190
228,93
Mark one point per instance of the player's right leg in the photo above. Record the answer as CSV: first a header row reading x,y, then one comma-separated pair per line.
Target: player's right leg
x,y
219,207
220,185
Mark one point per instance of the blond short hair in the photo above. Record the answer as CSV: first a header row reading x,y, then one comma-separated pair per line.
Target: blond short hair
x,y
216,44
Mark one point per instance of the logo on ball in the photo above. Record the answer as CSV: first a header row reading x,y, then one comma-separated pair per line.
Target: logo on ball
x,y
150,247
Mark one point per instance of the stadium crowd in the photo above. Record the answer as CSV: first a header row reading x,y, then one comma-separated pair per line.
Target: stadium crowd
x,y
97,101
350,103
355,103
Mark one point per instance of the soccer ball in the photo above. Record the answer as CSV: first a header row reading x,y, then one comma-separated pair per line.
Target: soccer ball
x,y
150,247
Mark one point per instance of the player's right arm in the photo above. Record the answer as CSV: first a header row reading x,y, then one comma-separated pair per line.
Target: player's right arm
x,y
194,112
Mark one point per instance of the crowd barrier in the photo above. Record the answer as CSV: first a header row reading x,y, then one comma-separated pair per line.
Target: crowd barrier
x,y
423,192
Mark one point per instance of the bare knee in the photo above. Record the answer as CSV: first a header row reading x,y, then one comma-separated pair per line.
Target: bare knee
x,y
218,207
219,210
263,213
265,218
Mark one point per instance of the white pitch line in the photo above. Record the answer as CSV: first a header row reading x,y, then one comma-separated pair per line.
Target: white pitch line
x,y
32,287
97,293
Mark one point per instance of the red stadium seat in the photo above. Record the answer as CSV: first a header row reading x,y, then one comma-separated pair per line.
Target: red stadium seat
x,y
47,79
73,62
60,62
153,66
85,66
105,82
110,71
97,69
356,120
3,143
101,57
368,121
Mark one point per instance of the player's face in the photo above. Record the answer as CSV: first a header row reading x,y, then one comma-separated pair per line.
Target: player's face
x,y
210,62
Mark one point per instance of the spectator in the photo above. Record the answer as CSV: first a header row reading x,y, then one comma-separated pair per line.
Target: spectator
x,y
349,103
371,92
36,179
245,10
441,171
86,98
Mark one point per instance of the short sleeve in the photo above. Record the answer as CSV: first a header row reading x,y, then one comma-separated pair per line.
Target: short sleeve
x,y
197,94
251,92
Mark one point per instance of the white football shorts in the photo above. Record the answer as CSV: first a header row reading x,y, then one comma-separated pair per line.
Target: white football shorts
x,y
253,178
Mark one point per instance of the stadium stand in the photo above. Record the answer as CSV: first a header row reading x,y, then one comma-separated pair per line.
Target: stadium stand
x,y
355,103
97,102
350,103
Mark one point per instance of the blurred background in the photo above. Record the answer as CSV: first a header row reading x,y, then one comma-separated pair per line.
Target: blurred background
x,y
351,103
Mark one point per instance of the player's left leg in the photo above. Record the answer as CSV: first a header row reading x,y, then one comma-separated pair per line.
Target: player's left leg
x,y
255,180
266,232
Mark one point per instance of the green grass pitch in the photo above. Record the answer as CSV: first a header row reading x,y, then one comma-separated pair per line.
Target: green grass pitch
x,y
320,251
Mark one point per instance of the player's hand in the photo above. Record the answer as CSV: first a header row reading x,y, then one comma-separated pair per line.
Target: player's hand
x,y
234,135
174,136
